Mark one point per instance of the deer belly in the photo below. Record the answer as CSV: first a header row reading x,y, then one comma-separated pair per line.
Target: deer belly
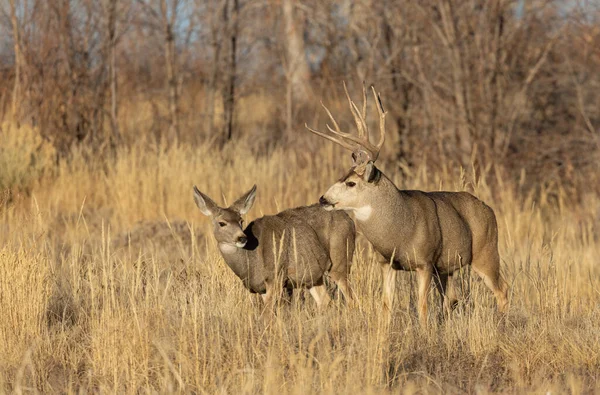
x,y
255,287
255,281
452,260
456,241
307,269
456,250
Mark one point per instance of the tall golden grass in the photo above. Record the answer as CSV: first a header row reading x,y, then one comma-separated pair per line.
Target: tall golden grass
x,y
110,281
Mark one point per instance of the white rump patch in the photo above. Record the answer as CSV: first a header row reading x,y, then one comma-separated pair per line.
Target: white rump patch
x,y
227,248
363,213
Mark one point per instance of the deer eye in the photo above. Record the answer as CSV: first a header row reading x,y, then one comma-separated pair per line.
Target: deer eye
x,y
222,224
350,184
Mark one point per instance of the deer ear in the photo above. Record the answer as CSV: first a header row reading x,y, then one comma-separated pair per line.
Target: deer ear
x,y
204,203
371,174
244,204
369,169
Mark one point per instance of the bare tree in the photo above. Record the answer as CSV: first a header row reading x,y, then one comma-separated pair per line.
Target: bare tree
x,y
468,80
222,18
216,12
232,9
297,71
164,17
110,49
19,63
168,21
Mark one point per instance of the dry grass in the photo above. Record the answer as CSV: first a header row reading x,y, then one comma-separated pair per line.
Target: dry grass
x,y
23,157
105,287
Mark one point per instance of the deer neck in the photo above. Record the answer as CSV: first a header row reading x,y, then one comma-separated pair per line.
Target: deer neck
x,y
384,213
244,262
238,259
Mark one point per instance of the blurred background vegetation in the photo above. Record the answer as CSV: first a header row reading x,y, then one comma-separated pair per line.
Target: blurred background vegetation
x,y
504,84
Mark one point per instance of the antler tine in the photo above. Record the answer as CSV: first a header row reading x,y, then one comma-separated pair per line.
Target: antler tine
x,y
331,138
382,114
335,124
343,141
361,125
346,136
350,141
364,107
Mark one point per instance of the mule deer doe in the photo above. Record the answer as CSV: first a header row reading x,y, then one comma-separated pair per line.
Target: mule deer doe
x,y
291,249
434,233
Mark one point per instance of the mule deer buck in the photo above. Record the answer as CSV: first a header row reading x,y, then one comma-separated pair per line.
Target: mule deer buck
x,y
291,249
432,233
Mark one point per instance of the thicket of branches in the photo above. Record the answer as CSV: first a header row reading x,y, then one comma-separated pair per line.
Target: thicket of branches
x,y
505,82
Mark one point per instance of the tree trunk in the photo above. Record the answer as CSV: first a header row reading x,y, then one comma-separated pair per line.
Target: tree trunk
x,y
16,95
212,87
172,80
402,88
498,19
298,71
217,24
463,119
232,69
73,120
171,64
111,27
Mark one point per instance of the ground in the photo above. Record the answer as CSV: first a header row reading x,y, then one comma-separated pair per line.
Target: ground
x,y
110,280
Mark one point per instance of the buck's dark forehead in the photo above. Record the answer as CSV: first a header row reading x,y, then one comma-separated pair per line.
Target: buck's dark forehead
x,y
347,175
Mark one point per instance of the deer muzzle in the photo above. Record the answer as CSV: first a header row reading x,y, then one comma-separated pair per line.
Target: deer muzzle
x,y
326,204
241,241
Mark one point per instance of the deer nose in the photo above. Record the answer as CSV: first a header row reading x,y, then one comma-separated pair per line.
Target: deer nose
x,y
242,239
323,201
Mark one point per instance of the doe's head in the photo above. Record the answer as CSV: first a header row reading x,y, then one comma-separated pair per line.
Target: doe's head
x,y
227,222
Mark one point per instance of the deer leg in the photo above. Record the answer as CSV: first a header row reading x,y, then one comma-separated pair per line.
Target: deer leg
x,y
451,298
273,291
288,294
341,281
344,287
424,275
341,251
319,293
389,285
268,298
494,281
445,287
264,298
441,284
487,266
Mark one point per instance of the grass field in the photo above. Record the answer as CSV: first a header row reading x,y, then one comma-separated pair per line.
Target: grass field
x,y
110,281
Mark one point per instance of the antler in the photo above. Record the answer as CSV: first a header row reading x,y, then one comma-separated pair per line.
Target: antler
x,y
362,149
